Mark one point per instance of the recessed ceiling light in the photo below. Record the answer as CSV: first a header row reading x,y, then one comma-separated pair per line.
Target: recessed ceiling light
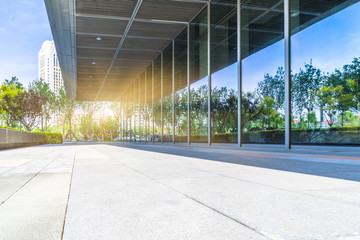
x,y
98,38
93,62
295,14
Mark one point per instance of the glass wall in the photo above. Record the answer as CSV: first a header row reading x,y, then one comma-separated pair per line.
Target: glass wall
x,y
263,85
157,99
142,107
224,72
148,103
325,72
198,79
325,85
181,90
167,94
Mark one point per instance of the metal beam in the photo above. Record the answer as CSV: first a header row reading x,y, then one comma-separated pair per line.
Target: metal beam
x,y
123,49
120,36
131,20
118,59
287,34
161,21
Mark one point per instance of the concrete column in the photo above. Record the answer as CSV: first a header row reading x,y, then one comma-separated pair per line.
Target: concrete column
x,y
162,97
287,35
139,111
239,73
188,80
173,92
209,69
152,102
146,107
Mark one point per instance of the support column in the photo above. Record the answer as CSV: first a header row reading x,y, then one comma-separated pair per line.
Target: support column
x,y
188,79
239,73
134,111
209,69
287,31
162,98
173,91
152,101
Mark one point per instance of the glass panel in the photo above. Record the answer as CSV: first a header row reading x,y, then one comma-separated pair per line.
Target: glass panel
x,y
141,108
181,90
198,79
224,72
148,104
325,67
262,49
136,109
157,99
167,94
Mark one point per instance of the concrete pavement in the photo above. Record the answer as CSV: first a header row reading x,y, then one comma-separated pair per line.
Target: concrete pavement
x,y
128,191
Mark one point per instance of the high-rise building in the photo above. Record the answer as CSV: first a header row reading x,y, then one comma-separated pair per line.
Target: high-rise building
x,y
48,66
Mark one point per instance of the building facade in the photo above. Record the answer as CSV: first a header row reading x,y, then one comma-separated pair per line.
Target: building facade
x,y
230,71
48,66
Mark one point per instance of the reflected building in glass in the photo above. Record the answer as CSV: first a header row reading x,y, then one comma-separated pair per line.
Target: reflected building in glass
x,y
241,72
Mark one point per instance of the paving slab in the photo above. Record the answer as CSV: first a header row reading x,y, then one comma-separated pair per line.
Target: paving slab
x,y
131,191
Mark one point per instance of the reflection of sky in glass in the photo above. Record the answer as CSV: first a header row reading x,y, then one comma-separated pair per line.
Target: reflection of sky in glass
x,y
330,44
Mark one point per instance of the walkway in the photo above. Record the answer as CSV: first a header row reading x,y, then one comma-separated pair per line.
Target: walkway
x,y
130,192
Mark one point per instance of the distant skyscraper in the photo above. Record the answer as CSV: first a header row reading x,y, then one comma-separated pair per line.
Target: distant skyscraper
x,y
48,66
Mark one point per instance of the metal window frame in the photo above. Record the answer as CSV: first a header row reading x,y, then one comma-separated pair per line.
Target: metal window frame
x,y
287,38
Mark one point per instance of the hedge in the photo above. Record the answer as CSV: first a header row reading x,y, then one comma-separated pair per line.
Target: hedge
x,y
53,138
50,138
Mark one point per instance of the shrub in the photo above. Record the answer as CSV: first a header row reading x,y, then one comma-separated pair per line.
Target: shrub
x,y
53,138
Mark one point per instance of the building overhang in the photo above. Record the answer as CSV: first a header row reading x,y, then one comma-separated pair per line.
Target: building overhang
x,y
103,46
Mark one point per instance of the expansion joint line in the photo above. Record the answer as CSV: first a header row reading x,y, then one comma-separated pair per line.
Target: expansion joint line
x,y
67,201
42,169
199,202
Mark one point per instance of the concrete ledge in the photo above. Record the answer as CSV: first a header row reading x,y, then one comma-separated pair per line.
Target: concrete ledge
x,y
13,139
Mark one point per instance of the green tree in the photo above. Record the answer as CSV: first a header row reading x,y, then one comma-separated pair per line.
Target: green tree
x,y
304,87
42,89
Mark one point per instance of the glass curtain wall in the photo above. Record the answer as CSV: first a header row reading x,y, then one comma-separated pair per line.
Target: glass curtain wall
x,y
141,107
148,104
167,94
263,85
157,99
136,109
325,72
133,111
224,71
198,79
181,90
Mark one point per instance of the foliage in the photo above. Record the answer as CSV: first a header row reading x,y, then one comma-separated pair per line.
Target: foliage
x,y
24,107
53,138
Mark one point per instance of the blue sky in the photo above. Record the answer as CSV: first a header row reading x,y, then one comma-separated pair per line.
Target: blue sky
x,y
330,44
23,27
